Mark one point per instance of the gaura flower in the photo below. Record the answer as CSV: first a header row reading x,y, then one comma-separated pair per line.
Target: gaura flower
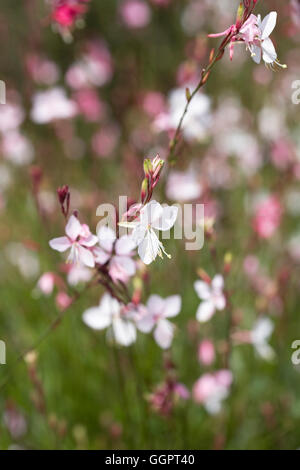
x,y
260,335
158,311
211,389
212,296
110,313
263,46
79,239
153,217
117,252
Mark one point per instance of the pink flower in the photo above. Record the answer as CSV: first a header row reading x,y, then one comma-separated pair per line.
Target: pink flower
x,y
46,283
212,296
267,217
63,300
158,311
206,352
79,239
135,13
68,11
118,252
78,274
211,389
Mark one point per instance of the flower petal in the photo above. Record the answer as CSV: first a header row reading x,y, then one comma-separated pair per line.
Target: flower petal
x,y
148,249
256,53
163,333
106,237
125,245
218,282
91,240
73,227
124,331
60,244
167,218
146,323
205,311
203,290
101,256
268,24
150,213
86,256
172,306
96,318
269,52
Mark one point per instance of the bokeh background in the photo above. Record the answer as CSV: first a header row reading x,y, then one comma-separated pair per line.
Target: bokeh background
x,y
240,156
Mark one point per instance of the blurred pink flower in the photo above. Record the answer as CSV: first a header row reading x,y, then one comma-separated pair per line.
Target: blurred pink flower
x,y
79,273
183,186
135,13
212,296
46,283
158,311
105,140
206,352
153,103
268,214
89,104
211,389
51,105
63,300
79,239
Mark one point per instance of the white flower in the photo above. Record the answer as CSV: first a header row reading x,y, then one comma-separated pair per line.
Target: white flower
x,y
110,313
153,217
260,335
263,47
183,186
79,239
157,312
51,105
213,297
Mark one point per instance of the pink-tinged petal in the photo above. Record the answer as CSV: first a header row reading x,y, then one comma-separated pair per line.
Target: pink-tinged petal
x,y
125,245
268,24
155,305
101,256
163,333
149,247
91,240
73,227
107,238
167,218
60,244
150,213
218,282
203,290
146,323
86,257
220,302
224,377
172,306
96,319
124,331
205,311
121,268
269,52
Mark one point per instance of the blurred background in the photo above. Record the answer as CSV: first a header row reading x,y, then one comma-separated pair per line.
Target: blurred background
x,y
86,102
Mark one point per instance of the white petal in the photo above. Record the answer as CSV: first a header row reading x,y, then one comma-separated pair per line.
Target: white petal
x,y
146,323
203,290
60,244
73,227
167,219
172,306
139,233
155,304
220,301
265,351
268,24
205,311
269,52
151,212
256,54
218,282
97,319
110,305
89,241
149,247
86,256
125,245
106,237
124,331
163,333
121,267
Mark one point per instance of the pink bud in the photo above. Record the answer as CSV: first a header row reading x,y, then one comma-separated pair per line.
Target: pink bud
x,y
206,352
